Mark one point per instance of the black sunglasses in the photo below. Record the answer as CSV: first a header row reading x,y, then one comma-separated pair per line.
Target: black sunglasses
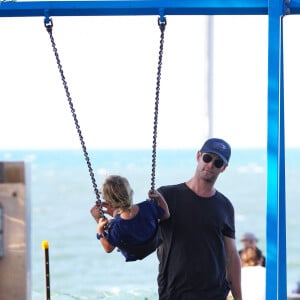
x,y
218,163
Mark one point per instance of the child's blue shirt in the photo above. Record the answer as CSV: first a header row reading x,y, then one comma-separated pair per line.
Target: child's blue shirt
x,y
137,230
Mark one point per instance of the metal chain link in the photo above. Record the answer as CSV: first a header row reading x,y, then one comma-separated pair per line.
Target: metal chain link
x,y
49,26
162,25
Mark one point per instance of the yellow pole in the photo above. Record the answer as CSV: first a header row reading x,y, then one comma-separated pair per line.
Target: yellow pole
x,y
45,246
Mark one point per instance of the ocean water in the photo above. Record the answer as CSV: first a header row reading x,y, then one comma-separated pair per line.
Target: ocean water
x,y
61,195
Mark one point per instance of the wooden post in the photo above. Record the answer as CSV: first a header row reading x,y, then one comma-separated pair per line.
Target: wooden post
x,y
15,260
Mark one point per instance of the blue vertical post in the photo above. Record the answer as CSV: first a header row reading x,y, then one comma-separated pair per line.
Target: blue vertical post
x,y
282,274
276,221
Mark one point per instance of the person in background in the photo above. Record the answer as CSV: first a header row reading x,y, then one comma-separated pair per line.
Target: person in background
x,y
253,274
295,295
297,289
198,258
134,227
249,239
295,292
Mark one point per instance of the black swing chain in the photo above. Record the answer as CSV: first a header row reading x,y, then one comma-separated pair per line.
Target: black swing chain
x,y
49,26
162,25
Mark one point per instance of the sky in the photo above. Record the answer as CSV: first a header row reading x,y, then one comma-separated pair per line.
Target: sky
x,y
110,64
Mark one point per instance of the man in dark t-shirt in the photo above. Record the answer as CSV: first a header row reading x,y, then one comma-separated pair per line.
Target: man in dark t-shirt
x,y
198,259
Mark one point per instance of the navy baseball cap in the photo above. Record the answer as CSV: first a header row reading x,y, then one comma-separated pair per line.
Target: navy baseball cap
x,y
218,147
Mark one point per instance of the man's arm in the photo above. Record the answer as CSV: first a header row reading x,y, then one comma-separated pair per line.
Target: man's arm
x,y
233,263
160,200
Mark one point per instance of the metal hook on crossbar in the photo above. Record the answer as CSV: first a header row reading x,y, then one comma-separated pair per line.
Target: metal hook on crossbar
x,y
162,19
47,20
162,24
48,24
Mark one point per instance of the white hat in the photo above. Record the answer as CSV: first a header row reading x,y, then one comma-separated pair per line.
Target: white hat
x,y
248,236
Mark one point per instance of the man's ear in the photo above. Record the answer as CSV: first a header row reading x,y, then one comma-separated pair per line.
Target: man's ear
x,y
198,155
224,167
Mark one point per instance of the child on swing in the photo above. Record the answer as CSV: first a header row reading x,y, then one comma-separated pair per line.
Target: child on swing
x,y
134,227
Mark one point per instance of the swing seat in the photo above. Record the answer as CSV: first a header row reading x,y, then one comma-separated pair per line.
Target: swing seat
x,y
140,251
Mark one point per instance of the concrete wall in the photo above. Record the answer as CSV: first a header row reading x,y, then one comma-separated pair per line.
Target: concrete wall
x,y
15,260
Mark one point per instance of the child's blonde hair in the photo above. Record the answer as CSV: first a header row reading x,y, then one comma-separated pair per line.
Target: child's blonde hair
x,y
117,192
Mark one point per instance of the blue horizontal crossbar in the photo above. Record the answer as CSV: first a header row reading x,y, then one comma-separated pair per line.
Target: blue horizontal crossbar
x,y
133,7
294,7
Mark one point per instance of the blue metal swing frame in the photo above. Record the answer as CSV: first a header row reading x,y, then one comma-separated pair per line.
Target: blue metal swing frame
x,y
276,10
